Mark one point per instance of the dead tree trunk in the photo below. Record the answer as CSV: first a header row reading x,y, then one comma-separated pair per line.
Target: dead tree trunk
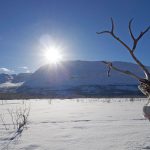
x,y
144,83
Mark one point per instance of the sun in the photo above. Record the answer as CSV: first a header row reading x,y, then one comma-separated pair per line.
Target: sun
x,y
53,55
51,50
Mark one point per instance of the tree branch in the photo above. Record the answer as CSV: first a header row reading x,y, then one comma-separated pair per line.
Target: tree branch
x,y
110,65
131,51
130,30
135,40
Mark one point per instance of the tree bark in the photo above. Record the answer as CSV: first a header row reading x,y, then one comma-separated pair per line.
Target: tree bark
x,y
144,87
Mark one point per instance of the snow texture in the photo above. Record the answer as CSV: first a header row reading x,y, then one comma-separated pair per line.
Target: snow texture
x,y
81,124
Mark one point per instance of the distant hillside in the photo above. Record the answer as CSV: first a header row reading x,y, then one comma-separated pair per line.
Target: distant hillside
x,y
14,78
21,77
5,78
81,78
9,83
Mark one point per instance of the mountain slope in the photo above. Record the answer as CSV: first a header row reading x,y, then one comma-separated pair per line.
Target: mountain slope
x,y
9,83
78,77
21,77
74,73
5,78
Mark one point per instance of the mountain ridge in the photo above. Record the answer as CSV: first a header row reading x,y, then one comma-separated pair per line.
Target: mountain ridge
x,y
75,79
82,78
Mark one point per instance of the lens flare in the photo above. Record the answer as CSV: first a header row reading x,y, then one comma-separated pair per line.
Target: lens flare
x,y
52,55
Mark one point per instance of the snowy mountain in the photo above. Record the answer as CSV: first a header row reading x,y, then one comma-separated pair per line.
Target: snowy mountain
x,y
5,78
14,78
21,77
81,78
9,83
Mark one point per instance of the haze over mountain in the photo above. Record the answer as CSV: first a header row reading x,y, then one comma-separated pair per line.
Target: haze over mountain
x,y
14,78
9,83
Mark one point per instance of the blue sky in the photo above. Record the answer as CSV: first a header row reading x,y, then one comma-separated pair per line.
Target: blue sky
x,y
73,25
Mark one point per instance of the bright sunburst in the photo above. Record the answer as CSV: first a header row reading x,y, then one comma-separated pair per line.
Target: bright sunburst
x,y
52,55
51,50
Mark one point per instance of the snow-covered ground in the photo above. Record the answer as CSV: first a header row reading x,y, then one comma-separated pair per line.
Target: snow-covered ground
x,y
80,124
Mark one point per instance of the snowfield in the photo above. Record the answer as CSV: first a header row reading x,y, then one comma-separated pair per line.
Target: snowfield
x,y
79,124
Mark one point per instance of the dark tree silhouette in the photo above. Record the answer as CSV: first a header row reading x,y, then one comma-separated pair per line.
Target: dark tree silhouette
x,y
144,83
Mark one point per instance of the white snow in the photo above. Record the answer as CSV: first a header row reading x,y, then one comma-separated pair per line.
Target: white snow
x,y
81,124
10,85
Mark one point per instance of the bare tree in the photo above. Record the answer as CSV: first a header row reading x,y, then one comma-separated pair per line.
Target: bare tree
x,y
17,121
144,83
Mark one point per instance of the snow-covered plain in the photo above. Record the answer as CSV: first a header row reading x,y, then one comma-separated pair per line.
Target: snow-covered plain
x,y
80,124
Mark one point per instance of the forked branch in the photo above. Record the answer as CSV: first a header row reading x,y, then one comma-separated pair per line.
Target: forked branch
x,y
131,50
114,36
135,40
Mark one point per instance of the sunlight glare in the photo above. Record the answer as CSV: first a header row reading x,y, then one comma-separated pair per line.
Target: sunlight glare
x,y
53,55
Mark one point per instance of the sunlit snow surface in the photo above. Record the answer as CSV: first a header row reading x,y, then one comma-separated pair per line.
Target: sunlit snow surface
x,y
81,124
